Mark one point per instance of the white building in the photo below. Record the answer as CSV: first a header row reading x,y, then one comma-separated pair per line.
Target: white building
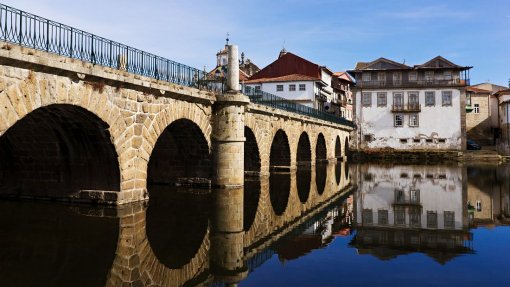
x,y
410,108
295,79
412,208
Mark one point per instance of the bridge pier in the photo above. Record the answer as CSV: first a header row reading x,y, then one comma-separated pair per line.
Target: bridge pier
x,y
228,130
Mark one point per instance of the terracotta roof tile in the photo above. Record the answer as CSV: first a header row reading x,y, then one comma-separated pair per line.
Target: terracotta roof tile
x,y
286,78
477,90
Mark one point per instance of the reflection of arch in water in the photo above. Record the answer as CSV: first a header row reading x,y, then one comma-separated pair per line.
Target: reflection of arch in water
x,y
182,151
55,245
133,247
321,174
56,151
279,191
252,194
177,221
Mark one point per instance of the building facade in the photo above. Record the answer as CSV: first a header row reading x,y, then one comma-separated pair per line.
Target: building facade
x,y
295,79
503,142
410,108
342,95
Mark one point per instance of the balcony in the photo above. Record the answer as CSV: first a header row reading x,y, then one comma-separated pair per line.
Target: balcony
x,y
419,83
407,108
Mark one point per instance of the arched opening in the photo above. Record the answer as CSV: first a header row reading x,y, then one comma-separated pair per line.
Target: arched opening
x,y
56,151
52,244
251,154
181,155
304,150
320,149
279,158
304,172
346,149
177,223
338,148
250,202
338,172
279,191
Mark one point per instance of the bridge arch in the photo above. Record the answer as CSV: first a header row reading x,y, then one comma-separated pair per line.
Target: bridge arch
x,y
280,151
56,151
338,147
320,148
181,154
304,149
304,172
252,161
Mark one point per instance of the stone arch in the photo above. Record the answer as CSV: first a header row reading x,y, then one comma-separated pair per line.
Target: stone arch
x,y
280,151
304,150
320,149
347,150
338,147
68,139
262,140
304,173
181,154
252,163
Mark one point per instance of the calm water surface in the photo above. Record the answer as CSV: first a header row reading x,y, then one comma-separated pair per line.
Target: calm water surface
x,y
328,225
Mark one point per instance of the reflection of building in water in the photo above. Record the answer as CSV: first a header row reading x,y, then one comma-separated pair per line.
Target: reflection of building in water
x,y
488,191
318,233
403,209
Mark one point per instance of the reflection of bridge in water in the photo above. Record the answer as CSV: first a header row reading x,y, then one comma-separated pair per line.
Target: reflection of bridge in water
x,y
224,245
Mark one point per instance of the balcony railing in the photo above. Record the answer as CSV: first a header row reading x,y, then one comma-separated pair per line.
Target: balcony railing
x,y
411,84
29,30
402,108
267,99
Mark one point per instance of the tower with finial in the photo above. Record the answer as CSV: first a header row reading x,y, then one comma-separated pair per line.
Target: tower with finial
x,y
222,56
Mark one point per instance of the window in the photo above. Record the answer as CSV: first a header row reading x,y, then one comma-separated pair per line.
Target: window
x,y
279,88
413,98
414,120
441,140
400,216
449,219
447,75
302,87
430,98
415,217
367,216
415,195
447,98
367,77
382,217
398,99
399,196
431,219
397,78
468,99
366,99
381,77
403,141
477,109
429,76
478,205
399,120
292,88
413,76
416,140
257,89
381,99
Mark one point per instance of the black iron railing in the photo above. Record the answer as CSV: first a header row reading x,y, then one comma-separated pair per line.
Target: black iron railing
x,y
267,99
29,30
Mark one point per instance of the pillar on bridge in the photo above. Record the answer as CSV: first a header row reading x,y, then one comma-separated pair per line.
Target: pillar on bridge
x,y
227,237
228,129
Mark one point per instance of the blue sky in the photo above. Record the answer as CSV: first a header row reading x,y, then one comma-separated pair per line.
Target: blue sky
x,y
333,33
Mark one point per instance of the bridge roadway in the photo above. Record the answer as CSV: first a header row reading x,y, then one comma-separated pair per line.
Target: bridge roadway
x,y
74,131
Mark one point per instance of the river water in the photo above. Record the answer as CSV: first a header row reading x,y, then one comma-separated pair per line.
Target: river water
x,y
329,225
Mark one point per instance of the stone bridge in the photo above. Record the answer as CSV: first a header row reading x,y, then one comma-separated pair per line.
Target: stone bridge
x,y
74,131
